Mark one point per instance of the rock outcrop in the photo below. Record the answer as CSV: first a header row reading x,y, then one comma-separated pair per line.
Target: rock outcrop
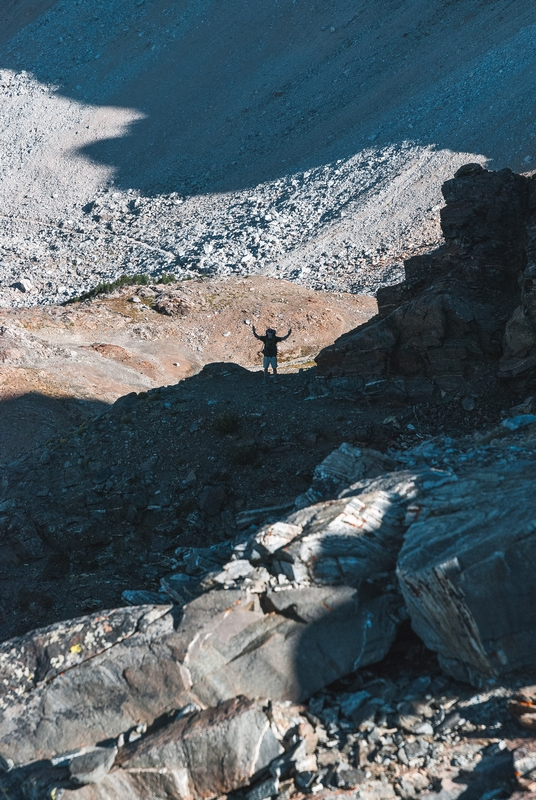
x,y
342,467
440,332
189,700
518,362
466,570
300,603
205,754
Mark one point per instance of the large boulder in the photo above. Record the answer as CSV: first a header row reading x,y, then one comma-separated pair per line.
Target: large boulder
x,y
197,755
80,682
441,330
466,570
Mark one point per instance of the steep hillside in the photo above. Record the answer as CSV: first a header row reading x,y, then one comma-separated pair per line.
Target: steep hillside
x,y
302,140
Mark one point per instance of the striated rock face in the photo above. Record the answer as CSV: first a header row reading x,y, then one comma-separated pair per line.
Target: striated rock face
x,y
342,467
441,330
466,571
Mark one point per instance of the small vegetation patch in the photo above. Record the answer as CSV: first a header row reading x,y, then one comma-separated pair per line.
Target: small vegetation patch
x,y
228,422
123,280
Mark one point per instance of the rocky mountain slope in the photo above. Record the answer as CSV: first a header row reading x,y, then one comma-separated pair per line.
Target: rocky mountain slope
x,y
261,646
302,140
288,609
212,587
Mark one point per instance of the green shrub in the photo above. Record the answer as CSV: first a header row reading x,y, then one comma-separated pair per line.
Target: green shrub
x,y
123,280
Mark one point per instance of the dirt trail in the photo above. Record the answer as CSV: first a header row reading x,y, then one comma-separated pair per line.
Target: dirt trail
x,y
304,140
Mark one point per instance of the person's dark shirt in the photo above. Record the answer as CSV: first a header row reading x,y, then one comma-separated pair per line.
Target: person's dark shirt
x,y
270,345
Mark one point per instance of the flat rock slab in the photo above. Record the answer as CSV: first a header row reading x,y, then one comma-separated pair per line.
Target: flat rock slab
x,y
224,645
201,755
39,656
467,572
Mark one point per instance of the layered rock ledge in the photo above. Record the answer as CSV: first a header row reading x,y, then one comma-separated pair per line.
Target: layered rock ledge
x,y
461,319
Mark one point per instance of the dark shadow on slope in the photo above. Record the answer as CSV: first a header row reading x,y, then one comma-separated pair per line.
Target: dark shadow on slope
x,y
232,96
30,420
341,638
494,772
112,501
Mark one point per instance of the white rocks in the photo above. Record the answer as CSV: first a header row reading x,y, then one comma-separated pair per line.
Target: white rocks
x,y
342,467
234,570
272,537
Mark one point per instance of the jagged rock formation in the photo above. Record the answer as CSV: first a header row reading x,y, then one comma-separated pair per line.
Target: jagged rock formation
x,y
441,331
339,609
298,604
519,353
466,571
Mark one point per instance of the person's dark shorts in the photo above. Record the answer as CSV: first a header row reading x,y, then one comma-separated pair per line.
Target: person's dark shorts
x,y
269,361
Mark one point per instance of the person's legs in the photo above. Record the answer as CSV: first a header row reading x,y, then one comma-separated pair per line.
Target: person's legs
x,y
269,361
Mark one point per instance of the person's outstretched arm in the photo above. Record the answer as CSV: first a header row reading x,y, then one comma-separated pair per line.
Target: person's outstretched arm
x,y
282,339
255,334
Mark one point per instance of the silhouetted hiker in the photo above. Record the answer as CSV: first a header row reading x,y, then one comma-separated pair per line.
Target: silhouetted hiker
x,y
269,350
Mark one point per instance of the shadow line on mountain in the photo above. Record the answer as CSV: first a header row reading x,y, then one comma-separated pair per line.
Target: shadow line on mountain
x,y
231,100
